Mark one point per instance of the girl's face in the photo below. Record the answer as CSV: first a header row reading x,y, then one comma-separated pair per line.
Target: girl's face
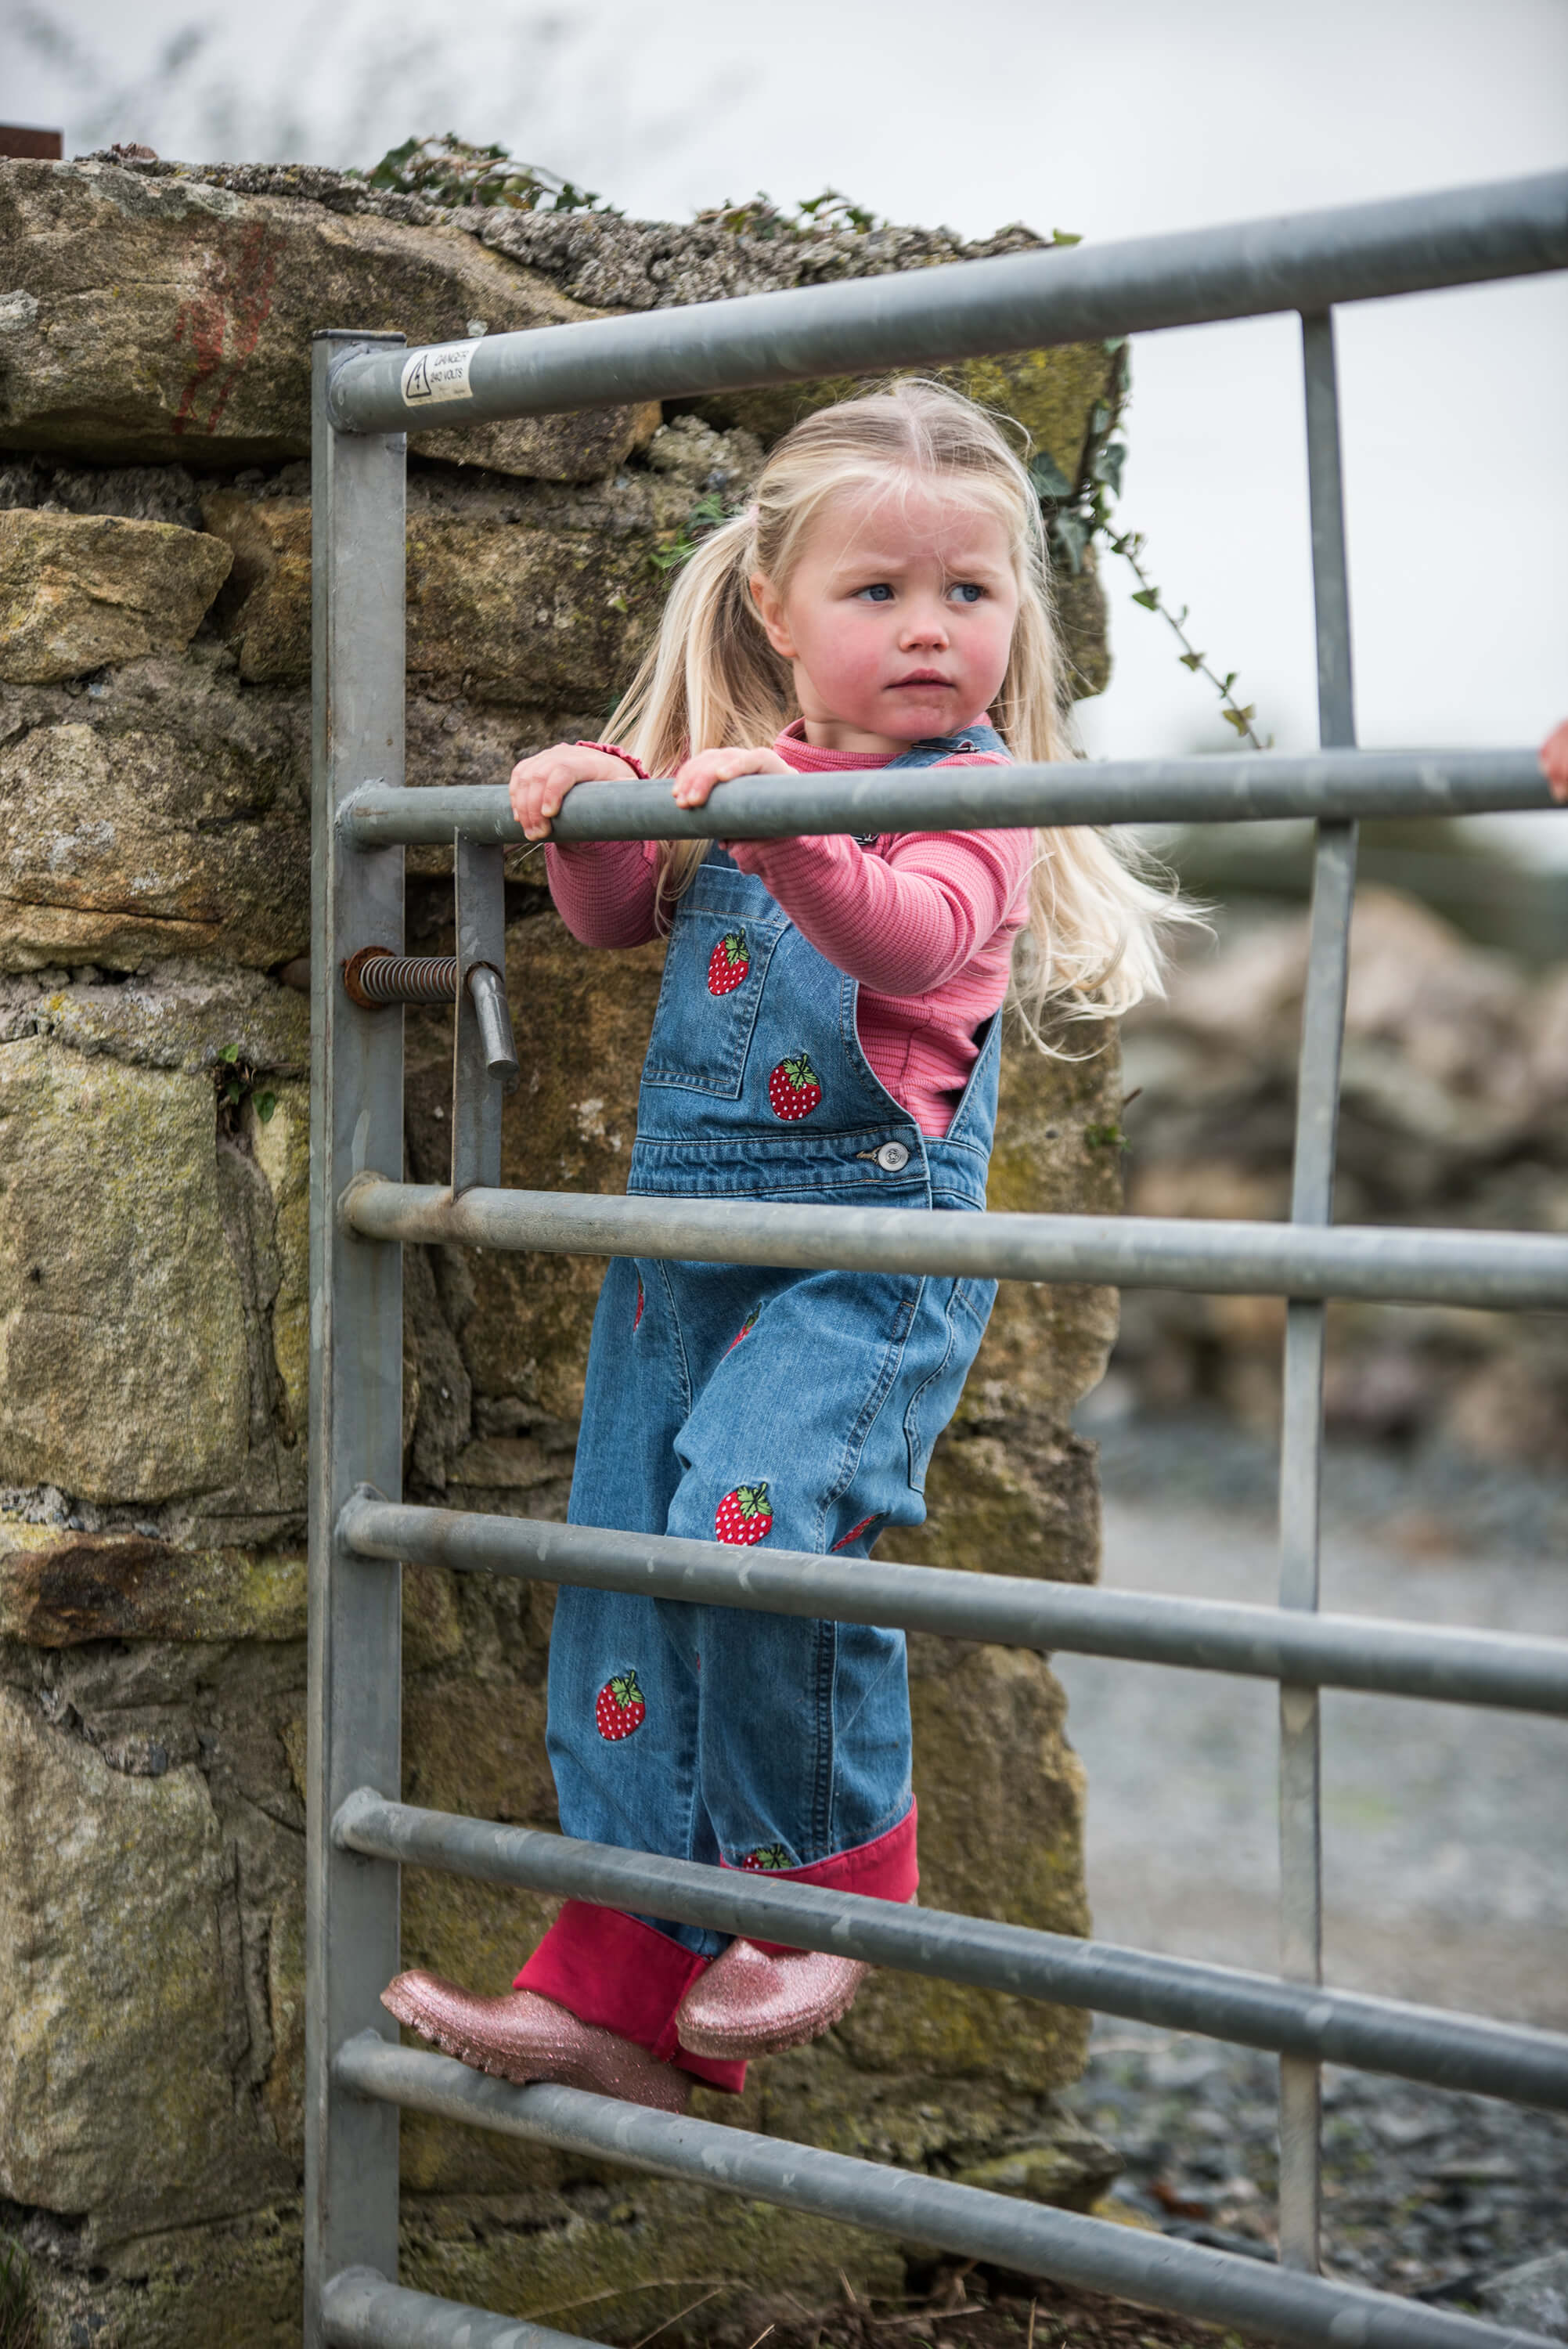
x,y
898,618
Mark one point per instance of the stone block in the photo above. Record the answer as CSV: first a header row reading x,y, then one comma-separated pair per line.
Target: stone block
x,y
118,1919
122,1343
582,1023
237,2283
172,1015
60,1587
1534,2297
80,591
1066,2166
1058,1150
208,358
533,594
1001,1819
281,1147
265,605
168,818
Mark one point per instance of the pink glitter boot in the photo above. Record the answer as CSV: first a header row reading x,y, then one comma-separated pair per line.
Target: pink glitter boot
x,y
524,2037
748,2003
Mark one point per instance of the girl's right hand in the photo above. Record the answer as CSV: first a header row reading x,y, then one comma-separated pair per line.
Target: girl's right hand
x,y
539,784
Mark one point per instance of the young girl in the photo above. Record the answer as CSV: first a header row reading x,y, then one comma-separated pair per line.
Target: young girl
x,y
828,1030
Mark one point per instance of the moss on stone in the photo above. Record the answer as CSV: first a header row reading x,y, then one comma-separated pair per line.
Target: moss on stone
x,y
1052,394
237,2284
640,2253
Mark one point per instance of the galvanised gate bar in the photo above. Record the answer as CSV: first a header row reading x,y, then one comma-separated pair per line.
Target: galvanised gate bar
x,y
360,1833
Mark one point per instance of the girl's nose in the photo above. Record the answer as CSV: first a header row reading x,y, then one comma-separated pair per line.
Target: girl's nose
x,y
925,627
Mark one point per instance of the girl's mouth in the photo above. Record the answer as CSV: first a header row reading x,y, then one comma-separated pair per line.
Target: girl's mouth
x,y
922,677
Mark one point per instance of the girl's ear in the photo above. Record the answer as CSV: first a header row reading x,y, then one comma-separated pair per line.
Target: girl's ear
x,y
770,612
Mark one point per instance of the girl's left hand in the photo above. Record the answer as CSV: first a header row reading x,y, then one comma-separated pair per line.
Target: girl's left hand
x,y
694,782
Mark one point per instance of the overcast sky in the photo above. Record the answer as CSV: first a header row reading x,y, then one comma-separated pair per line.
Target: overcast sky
x,y
1110,119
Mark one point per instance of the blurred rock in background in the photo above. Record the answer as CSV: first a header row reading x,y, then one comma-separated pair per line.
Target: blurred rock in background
x,y
1454,1112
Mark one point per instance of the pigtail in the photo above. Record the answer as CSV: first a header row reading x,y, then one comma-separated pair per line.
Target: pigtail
x,y
1097,903
711,679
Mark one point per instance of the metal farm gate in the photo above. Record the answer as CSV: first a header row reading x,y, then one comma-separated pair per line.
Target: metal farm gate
x,y
367,392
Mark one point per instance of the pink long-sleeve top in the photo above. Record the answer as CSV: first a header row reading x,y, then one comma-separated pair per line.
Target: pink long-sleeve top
x,y
924,920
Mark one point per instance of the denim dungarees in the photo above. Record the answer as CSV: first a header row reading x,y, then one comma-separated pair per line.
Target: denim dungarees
x,y
793,1410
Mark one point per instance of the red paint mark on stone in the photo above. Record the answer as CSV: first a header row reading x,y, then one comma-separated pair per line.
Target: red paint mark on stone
x,y
222,323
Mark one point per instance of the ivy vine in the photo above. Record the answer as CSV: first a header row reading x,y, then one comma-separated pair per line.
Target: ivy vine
x,y
820,215
1078,511
234,1078
454,172
678,546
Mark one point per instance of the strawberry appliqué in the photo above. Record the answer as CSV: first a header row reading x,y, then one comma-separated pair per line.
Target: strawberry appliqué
x,y
745,1330
729,963
743,1515
794,1088
766,1855
619,1707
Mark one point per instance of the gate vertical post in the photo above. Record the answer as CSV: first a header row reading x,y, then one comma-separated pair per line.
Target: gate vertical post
x,y
1312,1202
357,497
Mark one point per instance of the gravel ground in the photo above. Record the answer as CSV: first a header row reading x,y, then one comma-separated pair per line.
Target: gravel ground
x,y
1424,2192
1446,1854
1445,1848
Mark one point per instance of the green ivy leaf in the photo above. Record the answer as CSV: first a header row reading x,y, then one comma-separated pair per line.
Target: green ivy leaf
x,y
1240,719
229,1052
265,1104
1072,537
1108,464
1066,236
1148,597
1192,660
1048,478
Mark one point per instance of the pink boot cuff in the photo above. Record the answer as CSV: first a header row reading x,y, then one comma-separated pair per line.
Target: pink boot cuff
x,y
612,1969
886,1870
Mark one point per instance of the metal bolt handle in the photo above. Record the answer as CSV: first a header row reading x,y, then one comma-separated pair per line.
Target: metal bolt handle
x,y
495,1023
375,978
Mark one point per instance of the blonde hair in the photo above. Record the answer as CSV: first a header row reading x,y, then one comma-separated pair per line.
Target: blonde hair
x,y
712,681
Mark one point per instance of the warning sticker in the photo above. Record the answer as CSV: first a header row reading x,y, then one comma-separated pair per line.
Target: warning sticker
x,y
438,374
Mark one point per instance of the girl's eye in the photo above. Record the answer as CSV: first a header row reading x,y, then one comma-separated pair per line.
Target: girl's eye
x,y
966,591
881,593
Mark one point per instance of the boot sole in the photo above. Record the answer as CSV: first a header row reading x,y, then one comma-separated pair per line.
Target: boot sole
x,y
480,2058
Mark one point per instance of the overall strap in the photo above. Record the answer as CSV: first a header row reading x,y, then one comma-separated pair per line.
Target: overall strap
x,y
937,747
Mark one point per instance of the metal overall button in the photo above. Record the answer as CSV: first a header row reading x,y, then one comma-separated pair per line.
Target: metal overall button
x,y
893,1157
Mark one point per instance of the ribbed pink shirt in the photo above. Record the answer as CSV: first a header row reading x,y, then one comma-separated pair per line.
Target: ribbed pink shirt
x,y
924,920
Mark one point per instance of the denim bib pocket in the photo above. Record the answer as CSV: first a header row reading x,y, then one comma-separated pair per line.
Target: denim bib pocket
x,y
710,997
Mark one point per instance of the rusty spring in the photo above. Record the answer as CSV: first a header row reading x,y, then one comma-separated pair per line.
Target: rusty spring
x,y
375,975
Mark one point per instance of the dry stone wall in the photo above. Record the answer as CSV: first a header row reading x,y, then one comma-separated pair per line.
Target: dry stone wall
x,y
154,889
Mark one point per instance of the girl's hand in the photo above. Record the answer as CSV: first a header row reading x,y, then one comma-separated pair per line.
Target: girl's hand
x,y
539,784
695,780
1554,761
